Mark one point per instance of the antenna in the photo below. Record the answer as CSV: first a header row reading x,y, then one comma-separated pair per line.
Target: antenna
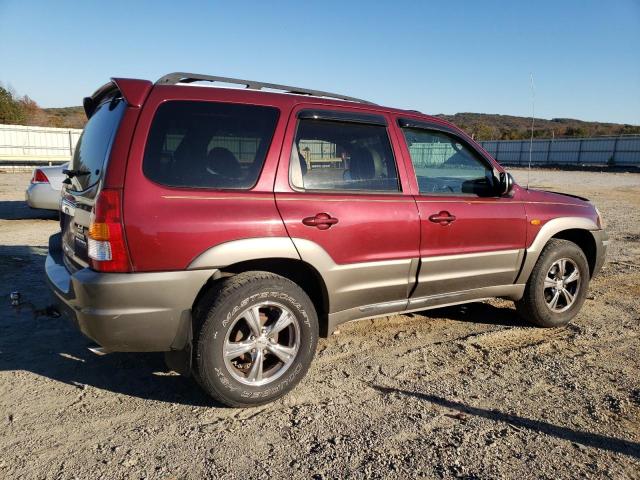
x,y
533,119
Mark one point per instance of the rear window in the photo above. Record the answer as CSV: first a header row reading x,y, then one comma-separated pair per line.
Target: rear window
x,y
208,145
94,145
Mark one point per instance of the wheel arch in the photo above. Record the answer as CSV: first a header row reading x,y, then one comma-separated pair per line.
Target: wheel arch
x,y
576,229
301,273
584,239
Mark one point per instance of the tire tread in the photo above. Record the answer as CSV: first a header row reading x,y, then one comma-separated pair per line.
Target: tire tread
x,y
529,307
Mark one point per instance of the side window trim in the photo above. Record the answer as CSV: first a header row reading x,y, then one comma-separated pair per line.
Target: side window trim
x,y
341,116
335,116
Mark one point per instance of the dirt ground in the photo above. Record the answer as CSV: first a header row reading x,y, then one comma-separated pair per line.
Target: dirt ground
x,y
462,392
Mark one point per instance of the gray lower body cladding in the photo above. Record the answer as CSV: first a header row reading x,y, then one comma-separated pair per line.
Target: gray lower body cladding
x,y
147,312
126,312
602,242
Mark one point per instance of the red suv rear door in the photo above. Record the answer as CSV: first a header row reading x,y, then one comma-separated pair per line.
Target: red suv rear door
x,y
346,204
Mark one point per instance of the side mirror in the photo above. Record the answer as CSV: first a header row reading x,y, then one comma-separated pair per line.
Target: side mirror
x,y
506,183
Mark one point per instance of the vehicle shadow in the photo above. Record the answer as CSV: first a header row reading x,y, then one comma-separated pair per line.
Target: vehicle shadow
x,y
19,210
53,348
478,313
587,439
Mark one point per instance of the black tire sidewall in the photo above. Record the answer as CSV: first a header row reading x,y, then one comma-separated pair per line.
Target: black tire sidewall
x,y
212,369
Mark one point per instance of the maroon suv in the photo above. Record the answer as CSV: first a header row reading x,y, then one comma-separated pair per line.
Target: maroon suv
x,y
230,227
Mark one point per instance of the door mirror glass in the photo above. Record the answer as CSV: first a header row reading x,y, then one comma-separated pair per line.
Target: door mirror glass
x,y
506,183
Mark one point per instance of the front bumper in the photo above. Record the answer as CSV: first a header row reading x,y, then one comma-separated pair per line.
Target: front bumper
x,y
601,239
126,312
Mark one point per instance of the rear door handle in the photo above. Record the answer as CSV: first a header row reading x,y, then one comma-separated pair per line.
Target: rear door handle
x,y
322,221
443,218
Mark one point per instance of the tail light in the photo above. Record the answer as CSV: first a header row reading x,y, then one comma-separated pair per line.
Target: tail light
x,y
39,177
106,240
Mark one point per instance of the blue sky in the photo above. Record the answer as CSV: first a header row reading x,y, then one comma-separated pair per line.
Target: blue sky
x,y
437,57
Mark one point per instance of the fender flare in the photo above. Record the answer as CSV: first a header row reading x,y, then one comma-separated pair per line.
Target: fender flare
x,y
548,230
236,251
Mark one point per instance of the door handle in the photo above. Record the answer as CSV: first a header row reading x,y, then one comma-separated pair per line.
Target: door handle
x,y
443,218
322,221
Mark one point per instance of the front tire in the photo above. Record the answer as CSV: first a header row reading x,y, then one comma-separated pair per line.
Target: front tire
x,y
557,286
254,338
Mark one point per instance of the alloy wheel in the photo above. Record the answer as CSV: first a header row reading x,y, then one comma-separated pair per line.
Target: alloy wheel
x,y
561,285
261,343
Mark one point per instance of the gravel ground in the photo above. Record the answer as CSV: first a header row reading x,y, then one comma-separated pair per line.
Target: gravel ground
x,y
460,392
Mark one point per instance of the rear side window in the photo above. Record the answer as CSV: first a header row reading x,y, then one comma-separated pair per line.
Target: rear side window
x,y
94,145
332,155
208,145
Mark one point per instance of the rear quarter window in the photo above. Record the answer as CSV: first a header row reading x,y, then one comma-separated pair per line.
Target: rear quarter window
x,y
208,144
94,145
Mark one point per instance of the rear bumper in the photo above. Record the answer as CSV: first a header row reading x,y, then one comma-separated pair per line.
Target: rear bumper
x,y
126,312
602,242
42,195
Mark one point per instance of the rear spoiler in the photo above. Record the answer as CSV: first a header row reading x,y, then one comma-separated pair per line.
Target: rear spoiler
x,y
134,92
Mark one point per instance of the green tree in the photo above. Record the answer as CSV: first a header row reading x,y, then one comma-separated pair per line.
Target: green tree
x,y
11,111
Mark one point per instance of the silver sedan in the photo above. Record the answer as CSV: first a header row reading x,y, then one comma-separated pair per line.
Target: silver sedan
x,y
45,187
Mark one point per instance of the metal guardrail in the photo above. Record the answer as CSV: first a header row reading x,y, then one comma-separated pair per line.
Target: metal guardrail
x,y
19,143
622,151
36,145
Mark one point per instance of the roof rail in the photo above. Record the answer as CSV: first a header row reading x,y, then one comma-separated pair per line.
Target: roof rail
x,y
182,77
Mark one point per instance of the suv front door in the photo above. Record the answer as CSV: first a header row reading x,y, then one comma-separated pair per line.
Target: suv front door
x,y
348,208
472,238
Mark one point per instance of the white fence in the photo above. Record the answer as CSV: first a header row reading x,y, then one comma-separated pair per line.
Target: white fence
x,y
19,143
604,151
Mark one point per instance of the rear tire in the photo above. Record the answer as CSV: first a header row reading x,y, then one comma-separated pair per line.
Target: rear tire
x,y
255,335
557,286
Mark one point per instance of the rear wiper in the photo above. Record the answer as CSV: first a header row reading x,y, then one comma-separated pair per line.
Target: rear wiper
x,y
75,173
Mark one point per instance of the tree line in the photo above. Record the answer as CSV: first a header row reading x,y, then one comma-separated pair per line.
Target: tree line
x,y
486,126
23,110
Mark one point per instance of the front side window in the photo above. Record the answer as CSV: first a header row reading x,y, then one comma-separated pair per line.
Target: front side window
x,y
445,166
333,155
208,145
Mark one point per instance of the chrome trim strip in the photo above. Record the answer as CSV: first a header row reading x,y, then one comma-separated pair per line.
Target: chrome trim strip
x,y
306,198
514,202
398,305
488,292
233,197
513,292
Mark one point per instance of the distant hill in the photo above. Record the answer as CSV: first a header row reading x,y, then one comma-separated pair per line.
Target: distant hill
x,y
67,117
488,126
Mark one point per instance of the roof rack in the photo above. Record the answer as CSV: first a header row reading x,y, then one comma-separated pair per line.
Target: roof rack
x,y
182,77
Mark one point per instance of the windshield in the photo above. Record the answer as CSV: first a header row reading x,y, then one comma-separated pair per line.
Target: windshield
x,y
95,142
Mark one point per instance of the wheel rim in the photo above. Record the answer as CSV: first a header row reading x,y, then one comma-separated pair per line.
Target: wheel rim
x,y
262,343
561,285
